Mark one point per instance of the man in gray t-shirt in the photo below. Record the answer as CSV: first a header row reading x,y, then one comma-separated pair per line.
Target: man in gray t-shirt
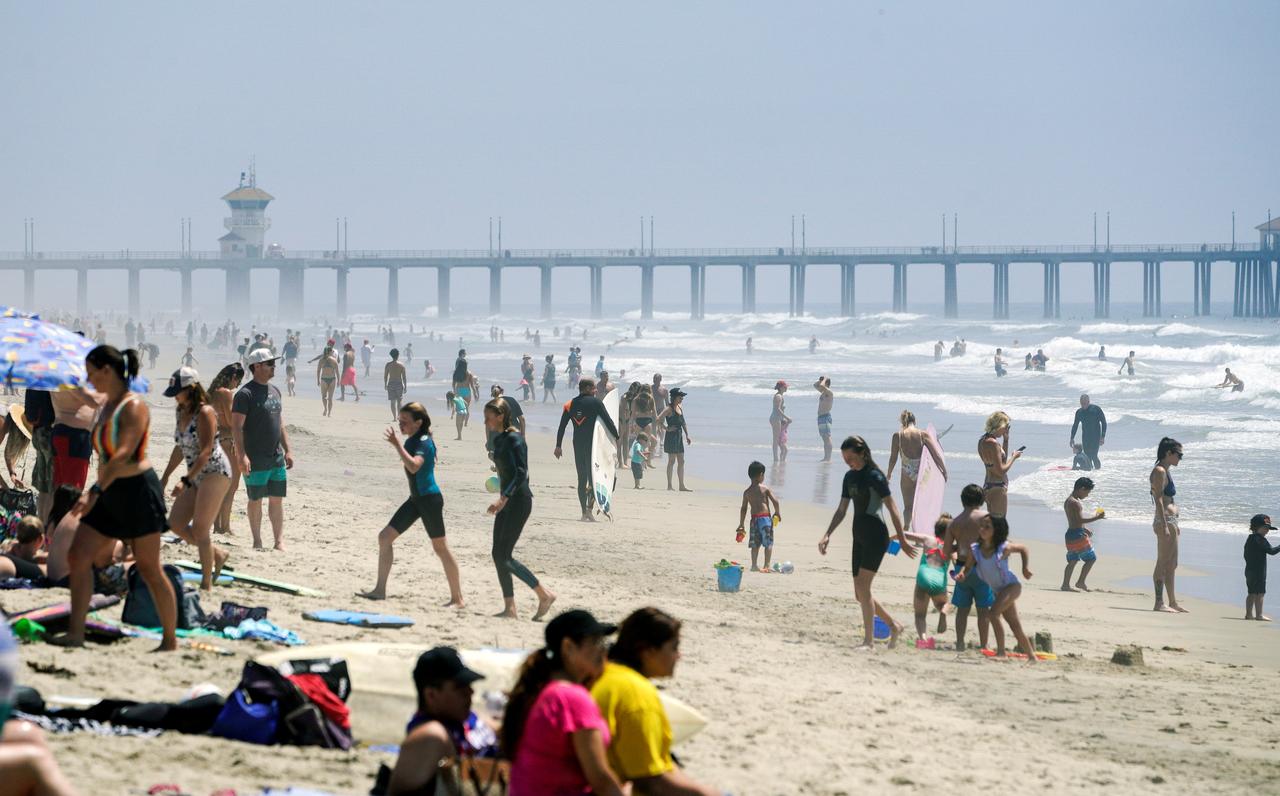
x,y
265,455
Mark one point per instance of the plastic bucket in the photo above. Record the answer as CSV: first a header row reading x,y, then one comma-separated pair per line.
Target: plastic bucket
x,y
879,629
729,578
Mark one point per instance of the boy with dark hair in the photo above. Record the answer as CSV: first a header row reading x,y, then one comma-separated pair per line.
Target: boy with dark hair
x,y
757,498
1079,539
1256,550
968,590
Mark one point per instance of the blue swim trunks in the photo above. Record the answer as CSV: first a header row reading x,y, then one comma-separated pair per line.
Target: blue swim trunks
x,y
824,425
1080,546
970,590
762,531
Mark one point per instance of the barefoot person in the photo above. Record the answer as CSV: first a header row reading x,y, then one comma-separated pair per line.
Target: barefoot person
x,y
327,377
993,449
825,399
989,559
868,489
349,371
1256,550
778,422
396,379
585,410
677,435
425,502
126,503
1079,539
910,442
512,508
1168,455
221,392
961,533
199,492
263,446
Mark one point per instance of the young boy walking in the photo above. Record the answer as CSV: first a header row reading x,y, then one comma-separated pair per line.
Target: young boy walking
x,y
1256,550
639,455
1079,539
757,498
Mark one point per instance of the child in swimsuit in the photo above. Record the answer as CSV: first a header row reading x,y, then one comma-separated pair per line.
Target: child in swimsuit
x,y
990,557
457,410
931,582
757,499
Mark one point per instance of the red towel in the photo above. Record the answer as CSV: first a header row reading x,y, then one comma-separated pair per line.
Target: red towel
x,y
317,691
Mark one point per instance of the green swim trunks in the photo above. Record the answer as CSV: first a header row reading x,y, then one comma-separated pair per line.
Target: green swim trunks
x,y
269,482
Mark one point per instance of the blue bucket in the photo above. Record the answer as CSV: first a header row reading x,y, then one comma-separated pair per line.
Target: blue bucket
x,y
879,629
730,578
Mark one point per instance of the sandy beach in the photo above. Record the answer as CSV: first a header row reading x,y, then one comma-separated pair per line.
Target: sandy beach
x,y
793,709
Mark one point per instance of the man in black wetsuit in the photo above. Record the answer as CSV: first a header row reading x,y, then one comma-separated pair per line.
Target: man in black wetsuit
x,y
1093,430
584,410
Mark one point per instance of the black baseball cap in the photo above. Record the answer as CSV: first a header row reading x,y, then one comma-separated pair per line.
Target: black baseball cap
x,y
1261,521
577,625
442,664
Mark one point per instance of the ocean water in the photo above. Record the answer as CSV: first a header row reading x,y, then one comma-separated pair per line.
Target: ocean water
x,y
881,363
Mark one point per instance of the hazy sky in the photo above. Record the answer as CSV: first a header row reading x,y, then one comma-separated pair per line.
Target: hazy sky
x,y
571,120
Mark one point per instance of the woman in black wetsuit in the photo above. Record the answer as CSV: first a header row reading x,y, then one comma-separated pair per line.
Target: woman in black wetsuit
x,y
677,435
512,508
868,488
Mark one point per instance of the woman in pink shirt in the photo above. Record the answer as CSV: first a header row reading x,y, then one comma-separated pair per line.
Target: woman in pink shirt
x,y
553,731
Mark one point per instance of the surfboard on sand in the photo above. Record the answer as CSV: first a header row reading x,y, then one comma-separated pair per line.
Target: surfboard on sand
x,y
49,614
604,458
1040,656
253,580
382,697
930,486
357,618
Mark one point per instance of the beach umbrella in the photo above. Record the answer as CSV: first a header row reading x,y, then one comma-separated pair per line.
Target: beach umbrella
x,y
40,355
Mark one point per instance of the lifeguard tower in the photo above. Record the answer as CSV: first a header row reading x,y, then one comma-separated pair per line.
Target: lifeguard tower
x,y
248,223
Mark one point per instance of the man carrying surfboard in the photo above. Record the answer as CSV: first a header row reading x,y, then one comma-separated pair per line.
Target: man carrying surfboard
x,y
584,410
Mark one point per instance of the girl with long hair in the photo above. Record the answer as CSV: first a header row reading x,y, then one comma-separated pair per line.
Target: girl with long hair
x,y
867,488
990,556
126,503
1165,524
221,392
911,443
425,502
677,435
199,493
552,730
512,509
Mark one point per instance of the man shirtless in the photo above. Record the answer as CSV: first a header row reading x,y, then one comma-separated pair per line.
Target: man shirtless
x,y
962,532
993,449
825,400
1233,381
396,382
327,377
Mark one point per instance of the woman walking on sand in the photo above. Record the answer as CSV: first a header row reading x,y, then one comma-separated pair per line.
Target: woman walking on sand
x,y
221,390
910,442
1168,455
778,422
425,502
198,494
512,508
868,489
677,435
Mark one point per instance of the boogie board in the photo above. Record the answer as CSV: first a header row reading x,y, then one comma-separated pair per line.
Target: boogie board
x,y
50,614
604,457
252,580
383,699
358,618
1040,656
930,485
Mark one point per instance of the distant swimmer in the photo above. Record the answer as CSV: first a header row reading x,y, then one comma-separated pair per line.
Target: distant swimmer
x,y
1039,360
999,363
1128,363
748,345
1102,353
813,343
825,399
993,449
1233,381
938,348
1027,363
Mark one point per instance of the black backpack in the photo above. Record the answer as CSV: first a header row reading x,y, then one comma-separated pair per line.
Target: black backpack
x,y
140,610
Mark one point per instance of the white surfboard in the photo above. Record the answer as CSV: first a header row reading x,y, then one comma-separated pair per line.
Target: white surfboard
x,y
930,486
604,458
383,699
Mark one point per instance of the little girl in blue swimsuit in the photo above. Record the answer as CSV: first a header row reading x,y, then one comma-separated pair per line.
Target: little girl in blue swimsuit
x,y
990,556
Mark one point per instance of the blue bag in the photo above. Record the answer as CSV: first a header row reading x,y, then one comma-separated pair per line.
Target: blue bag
x,y
244,720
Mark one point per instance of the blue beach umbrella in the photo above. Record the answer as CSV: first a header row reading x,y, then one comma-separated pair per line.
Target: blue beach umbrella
x,y
40,355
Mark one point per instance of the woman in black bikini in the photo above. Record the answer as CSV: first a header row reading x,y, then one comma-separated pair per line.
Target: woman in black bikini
x,y
676,427
1168,455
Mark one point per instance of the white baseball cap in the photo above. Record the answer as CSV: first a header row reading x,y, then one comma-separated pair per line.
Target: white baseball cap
x,y
260,356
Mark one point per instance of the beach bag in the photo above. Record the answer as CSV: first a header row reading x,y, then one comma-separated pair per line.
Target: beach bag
x,y
298,720
243,719
14,505
140,610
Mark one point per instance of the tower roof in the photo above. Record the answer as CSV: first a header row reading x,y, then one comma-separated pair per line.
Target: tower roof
x,y
230,236
251,193
1271,226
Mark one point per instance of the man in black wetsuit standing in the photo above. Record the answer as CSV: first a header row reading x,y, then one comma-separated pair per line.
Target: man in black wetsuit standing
x,y
584,410
1093,430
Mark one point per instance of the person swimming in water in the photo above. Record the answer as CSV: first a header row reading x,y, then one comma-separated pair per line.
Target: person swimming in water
x,y
1128,363
1233,381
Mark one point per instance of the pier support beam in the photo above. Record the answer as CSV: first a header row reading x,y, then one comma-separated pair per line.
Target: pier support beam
x,y
292,284
748,287
495,290
1000,292
186,292
1052,290
847,277
899,287
545,279
597,291
646,292
341,308
135,293
29,289
1203,282
1102,290
237,293
695,290
702,291
950,291
442,292
82,292
1151,289
393,292
1237,301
